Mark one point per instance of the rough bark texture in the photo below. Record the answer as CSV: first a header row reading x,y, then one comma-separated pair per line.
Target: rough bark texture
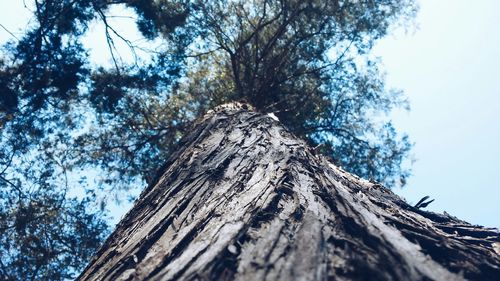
x,y
244,199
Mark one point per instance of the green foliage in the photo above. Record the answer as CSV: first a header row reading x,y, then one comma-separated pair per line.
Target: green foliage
x,y
48,229
45,236
306,61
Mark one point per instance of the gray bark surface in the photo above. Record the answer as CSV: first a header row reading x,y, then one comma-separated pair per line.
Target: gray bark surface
x,y
244,199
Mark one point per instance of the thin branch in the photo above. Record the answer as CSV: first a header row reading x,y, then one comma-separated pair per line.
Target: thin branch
x,y
109,40
17,188
8,31
197,55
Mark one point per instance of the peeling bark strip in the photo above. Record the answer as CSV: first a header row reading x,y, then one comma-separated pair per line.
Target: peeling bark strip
x,y
244,199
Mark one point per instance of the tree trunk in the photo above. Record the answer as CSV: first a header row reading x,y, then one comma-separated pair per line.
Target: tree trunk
x,y
244,199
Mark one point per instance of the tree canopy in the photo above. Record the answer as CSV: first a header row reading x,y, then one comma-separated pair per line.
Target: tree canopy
x,y
63,118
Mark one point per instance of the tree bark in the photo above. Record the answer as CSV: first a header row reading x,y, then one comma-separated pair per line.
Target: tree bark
x,y
244,199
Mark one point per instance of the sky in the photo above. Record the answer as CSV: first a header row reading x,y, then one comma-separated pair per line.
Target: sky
x,y
448,67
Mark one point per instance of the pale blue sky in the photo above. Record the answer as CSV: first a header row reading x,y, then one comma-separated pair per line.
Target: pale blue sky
x,y
449,69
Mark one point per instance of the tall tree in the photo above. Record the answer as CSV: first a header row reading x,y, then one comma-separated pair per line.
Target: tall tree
x,y
61,116
244,199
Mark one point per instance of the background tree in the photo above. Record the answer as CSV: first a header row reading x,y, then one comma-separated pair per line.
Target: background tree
x,y
62,117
